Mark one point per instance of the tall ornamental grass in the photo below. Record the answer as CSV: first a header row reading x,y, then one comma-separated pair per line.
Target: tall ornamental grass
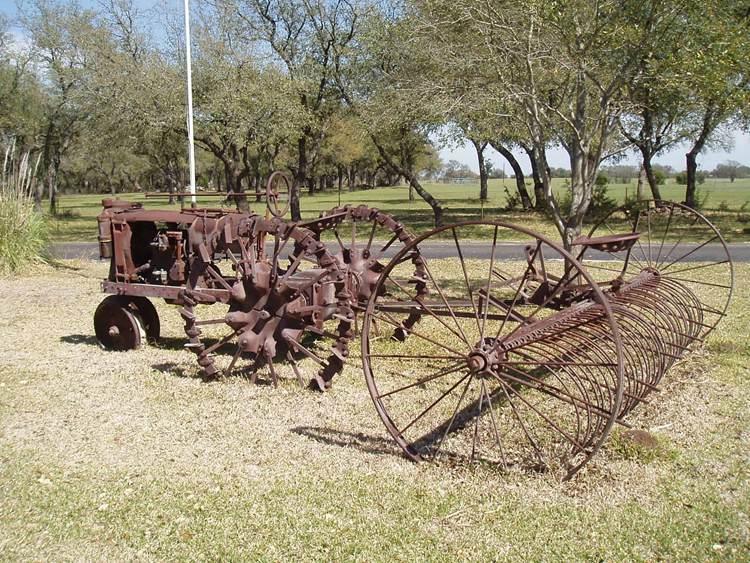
x,y
23,231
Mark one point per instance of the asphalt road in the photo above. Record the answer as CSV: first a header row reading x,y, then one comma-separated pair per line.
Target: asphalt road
x,y
740,252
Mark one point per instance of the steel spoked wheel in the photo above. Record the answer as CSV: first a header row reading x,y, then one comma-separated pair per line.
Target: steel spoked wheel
x,y
287,305
678,243
513,362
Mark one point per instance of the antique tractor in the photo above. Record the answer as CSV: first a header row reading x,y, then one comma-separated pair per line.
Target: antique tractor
x,y
518,354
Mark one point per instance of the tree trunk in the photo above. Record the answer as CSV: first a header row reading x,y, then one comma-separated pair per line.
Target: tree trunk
x,y
52,188
692,167
641,180
234,183
540,199
38,188
479,147
351,178
169,177
691,158
650,176
299,179
520,181
258,187
437,208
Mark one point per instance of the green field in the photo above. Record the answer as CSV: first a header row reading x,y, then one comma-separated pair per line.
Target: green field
x,y
76,220
128,456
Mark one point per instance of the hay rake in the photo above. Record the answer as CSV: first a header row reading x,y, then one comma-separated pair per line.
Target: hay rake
x,y
518,355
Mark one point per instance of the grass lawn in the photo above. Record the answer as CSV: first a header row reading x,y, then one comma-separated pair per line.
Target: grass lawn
x,y
108,455
76,221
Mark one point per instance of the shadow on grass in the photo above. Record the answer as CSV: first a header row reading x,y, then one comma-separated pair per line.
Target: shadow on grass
x,y
357,440
89,339
165,343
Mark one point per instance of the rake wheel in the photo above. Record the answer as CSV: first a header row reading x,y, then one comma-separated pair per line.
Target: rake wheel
x,y
490,373
678,243
277,196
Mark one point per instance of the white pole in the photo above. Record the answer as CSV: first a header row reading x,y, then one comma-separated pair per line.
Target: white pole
x,y
188,64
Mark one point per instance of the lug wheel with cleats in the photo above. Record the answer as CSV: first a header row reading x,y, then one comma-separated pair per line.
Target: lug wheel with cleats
x,y
363,239
286,308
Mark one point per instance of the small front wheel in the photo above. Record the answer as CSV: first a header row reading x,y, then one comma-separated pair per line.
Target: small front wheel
x,y
118,324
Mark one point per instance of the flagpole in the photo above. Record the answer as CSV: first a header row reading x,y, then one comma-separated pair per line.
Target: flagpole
x,y
188,65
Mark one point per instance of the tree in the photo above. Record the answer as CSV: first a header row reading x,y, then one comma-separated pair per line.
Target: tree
x,y
560,66
58,34
375,77
658,91
517,174
731,169
22,102
303,36
719,85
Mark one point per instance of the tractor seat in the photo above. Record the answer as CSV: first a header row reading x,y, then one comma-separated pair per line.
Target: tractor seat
x,y
610,243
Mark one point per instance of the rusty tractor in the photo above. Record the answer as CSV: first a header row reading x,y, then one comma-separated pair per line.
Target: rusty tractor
x,y
522,355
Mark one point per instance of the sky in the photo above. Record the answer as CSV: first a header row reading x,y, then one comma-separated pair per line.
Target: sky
x,y
558,158
739,142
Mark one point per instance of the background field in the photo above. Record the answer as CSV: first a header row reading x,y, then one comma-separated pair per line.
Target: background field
x,y
76,221
129,456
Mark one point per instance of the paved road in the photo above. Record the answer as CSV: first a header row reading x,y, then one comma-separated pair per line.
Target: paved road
x,y
740,252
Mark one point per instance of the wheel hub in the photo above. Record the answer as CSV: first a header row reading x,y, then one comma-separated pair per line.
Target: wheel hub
x,y
477,361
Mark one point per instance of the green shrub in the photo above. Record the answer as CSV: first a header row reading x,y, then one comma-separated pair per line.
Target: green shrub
x,y
512,200
601,203
23,231
601,180
700,178
660,177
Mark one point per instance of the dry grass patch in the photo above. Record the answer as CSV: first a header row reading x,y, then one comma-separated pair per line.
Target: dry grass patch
x,y
109,455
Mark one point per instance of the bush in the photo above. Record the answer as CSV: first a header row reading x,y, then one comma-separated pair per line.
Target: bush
x,y
601,180
23,231
701,199
660,177
512,200
601,203
681,178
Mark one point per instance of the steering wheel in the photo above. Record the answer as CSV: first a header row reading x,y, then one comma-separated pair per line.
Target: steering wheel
x,y
277,200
